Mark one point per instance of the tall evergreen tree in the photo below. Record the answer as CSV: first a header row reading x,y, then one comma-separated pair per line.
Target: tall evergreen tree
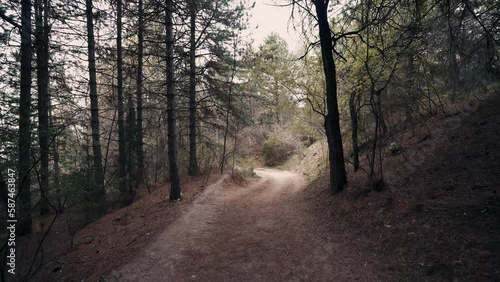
x,y
42,59
193,160
139,94
122,153
98,193
175,188
24,194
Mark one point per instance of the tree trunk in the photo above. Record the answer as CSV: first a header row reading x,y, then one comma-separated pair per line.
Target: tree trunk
x,y
122,154
372,159
354,126
57,169
376,177
193,161
226,132
4,200
175,189
24,194
380,112
131,143
139,136
452,52
42,60
489,53
230,95
98,194
338,176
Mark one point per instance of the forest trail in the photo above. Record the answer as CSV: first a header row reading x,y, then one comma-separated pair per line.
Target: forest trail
x,y
260,231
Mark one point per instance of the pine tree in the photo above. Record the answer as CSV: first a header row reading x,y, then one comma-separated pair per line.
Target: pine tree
x,y
175,188
98,193
24,168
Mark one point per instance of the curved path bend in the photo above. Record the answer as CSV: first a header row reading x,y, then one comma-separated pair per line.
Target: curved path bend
x,y
262,231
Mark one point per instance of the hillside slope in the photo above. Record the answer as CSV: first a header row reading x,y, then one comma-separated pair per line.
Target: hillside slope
x,y
439,220
310,161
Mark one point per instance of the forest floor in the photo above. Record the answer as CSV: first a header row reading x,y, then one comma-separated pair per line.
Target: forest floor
x,y
75,252
438,222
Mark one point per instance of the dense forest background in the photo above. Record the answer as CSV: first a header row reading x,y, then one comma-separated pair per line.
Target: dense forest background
x,y
99,99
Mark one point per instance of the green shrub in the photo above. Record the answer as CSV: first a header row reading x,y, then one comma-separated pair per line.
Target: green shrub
x,y
394,148
245,166
244,172
276,150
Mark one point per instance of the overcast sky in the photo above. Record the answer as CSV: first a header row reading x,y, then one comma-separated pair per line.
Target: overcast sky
x,y
267,18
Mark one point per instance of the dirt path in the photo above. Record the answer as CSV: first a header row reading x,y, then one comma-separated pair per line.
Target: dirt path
x,y
260,232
